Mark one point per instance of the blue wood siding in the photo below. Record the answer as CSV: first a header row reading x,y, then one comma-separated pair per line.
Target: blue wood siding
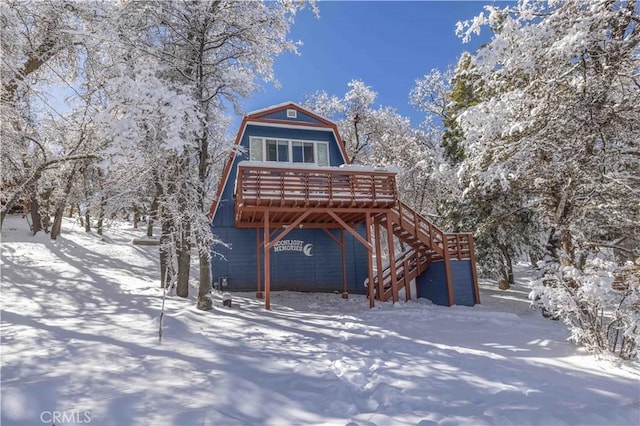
x,y
462,282
290,269
282,115
432,284
320,269
225,214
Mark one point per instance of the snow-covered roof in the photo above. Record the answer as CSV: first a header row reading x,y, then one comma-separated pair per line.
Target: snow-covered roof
x,y
271,107
283,105
309,166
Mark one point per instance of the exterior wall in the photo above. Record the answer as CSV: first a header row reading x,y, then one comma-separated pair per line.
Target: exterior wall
x,y
305,260
282,115
290,269
432,284
224,217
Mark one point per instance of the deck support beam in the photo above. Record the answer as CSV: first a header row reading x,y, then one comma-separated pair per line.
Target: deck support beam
x,y
367,217
367,242
287,230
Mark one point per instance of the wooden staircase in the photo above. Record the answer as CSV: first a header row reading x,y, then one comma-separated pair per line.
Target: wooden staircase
x,y
427,243
408,267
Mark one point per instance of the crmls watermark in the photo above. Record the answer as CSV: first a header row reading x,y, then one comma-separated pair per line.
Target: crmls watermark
x,y
60,418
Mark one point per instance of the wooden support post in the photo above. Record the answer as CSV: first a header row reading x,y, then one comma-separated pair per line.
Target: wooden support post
x,y
474,273
407,283
259,294
447,270
367,217
392,261
267,263
380,286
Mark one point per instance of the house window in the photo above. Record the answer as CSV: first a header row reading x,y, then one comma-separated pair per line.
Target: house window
x,y
283,151
277,150
302,152
255,148
292,113
323,154
288,151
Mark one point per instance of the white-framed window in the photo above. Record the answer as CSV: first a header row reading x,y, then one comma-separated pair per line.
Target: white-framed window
x,y
288,151
255,149
277,150
322,154
292,113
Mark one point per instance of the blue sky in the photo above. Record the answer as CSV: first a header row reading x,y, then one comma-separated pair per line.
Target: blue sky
x,y
386,44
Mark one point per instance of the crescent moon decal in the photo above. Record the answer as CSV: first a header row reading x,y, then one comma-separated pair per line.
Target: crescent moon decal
x,y
307,250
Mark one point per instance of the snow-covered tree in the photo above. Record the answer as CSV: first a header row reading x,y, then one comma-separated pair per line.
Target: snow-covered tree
x,y
600,303
445,96
562,123
558,124
379,136
211,53
41,46
503,223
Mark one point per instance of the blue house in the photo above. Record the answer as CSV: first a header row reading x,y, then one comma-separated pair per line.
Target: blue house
x,y
295,215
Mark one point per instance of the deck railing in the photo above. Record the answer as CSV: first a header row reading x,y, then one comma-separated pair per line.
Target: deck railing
x,y
458,245
321,187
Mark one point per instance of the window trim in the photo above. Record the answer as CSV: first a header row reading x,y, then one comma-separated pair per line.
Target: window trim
x,y
263,142
292,113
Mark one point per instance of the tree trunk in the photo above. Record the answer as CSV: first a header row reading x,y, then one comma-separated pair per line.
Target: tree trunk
x,y
136,217
61,204
150,226
166,270
568,256
87,221
101,216
534,259
507,268
204,251
204,290
36,219
153,215
57,222
183,251
560,241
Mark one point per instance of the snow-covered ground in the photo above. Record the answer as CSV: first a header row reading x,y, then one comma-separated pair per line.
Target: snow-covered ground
x,y
80,341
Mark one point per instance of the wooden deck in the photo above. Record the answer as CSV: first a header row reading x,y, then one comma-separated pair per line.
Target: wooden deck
x,y
284,192
281,199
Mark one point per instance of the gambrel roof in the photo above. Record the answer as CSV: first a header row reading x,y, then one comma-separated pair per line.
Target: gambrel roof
x,y
277,116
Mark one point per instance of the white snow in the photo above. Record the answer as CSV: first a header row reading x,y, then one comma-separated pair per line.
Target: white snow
x,y
80,323
313,166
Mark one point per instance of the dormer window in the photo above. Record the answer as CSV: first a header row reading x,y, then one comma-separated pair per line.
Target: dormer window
x,y
289,151
292,113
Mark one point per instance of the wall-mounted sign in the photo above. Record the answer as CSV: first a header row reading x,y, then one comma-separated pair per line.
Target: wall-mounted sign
x,y
294,245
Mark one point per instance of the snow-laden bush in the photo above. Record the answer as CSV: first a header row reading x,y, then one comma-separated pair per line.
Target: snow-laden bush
x,y
600,304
